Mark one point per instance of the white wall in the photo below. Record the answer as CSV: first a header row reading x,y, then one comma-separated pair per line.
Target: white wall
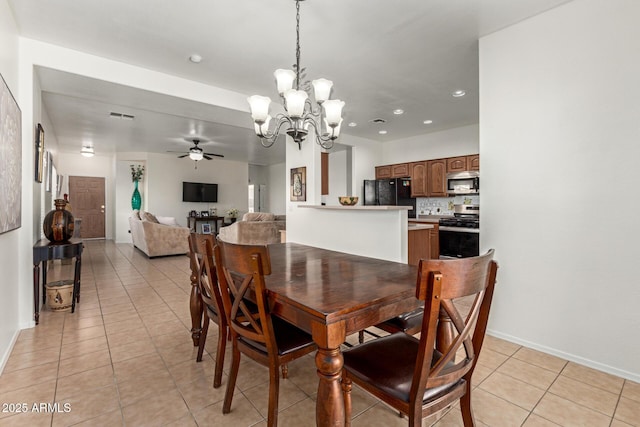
x,y
559,133
277,191
337,177
9,241
448,143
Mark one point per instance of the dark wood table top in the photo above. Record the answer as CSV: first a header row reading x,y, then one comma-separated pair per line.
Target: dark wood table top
x,y
331,286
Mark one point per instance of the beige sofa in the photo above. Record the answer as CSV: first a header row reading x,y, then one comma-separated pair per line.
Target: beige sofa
x,y
158,239
257,228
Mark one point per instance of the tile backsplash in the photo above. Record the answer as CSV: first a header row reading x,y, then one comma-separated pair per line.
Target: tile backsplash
x,y
443,205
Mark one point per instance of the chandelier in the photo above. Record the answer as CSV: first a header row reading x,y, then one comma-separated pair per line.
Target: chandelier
x,y
300,114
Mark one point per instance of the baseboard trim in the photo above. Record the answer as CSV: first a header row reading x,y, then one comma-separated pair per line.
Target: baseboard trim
x,y
7,353
568,356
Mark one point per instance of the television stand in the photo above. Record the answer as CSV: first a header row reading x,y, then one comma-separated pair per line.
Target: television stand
x,y
192,222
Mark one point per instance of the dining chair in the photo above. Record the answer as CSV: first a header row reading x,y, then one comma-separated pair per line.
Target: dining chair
x,y
205,273
410,374
266,339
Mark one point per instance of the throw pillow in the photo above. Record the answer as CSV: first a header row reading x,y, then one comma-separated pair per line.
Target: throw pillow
x,y
150,217
167,220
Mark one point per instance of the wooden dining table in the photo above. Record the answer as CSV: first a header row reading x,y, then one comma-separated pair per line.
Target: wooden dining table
x,y
332,295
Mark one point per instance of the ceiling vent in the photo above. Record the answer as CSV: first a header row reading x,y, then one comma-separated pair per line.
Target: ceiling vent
x,y
121,116
378,121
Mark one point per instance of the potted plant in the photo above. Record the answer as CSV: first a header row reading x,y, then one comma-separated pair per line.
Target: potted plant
x,y
232,214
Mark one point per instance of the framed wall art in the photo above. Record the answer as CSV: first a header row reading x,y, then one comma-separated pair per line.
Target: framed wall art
x,y
298,184
206,228
39,152
10,160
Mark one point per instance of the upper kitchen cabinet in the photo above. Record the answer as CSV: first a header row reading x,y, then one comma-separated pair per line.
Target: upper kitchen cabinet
x,y
457,164
463,163
436,178
400,170
473,162
418,179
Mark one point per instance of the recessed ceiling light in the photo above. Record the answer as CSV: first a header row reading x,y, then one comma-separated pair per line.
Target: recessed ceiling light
x,y
195,58
428,122
398,112
353,124
382,132
458,93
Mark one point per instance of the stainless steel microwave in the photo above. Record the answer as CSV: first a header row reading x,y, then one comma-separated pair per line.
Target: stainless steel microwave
x,y
463,183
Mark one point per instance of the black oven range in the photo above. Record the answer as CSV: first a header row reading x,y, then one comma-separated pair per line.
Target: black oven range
x,y
460,235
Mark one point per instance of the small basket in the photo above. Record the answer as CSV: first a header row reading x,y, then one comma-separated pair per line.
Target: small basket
x,y
60,295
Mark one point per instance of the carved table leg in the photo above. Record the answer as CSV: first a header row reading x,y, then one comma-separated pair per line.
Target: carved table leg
x,y
36,291
195,306
329,403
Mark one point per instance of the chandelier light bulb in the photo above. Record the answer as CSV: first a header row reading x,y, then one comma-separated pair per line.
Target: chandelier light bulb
x,y
284,80
322,89
262,129
333,132
295,100
333,111
259,108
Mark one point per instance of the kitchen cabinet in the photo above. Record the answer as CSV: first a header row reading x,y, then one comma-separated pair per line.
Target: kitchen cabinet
x,y
457,164
400,170
473,162
436,178
423,244
383,172
418,173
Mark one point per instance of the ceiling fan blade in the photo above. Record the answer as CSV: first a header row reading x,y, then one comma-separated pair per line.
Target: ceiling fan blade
x,y
207,157
214,154
184,155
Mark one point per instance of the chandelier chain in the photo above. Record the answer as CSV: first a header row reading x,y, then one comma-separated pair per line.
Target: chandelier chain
x,y
297,44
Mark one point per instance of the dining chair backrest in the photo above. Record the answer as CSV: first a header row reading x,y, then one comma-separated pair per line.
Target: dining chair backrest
x,y
203,267
241,277
468,282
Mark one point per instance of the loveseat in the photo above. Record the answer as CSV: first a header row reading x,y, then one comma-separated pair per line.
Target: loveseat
x,y
158,236
255,228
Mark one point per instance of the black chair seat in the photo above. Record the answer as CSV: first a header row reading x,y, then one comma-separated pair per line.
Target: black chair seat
x,y
288,337
410,321
389,362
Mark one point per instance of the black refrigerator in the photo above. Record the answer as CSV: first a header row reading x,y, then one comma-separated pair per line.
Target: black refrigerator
x,y
390,192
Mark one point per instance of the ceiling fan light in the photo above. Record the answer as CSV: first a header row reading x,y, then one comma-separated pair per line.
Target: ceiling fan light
x,y
284,80
259,107
195,155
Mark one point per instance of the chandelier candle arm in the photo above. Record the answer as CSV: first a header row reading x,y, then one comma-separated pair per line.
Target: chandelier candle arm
x,y
300,112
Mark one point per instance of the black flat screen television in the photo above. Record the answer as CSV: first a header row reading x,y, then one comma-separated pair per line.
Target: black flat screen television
x,y
199,192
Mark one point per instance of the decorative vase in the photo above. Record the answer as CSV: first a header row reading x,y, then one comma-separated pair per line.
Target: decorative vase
x,y
58,223
136,199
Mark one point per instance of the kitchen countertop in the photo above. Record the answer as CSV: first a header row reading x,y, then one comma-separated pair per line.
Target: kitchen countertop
x,y
433,219
424,226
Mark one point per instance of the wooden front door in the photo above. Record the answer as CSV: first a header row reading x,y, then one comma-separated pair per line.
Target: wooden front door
x,y
86,196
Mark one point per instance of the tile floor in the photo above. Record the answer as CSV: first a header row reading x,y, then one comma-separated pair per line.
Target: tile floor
x,y
125,357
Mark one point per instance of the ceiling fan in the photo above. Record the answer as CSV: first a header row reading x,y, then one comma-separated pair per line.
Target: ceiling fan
x,y
196,153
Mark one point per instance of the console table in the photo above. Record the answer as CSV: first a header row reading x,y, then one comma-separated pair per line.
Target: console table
x,y
43,251
192,222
